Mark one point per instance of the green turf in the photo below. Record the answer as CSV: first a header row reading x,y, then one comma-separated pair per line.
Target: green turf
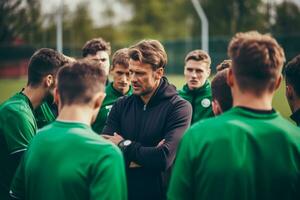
x,y
9,87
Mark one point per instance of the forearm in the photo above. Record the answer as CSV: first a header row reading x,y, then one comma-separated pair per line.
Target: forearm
x,y
158,157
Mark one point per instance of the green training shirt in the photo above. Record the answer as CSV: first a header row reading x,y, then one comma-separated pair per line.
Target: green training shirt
x,y
112,96
44,115
17,128
200,100
67,160
239,155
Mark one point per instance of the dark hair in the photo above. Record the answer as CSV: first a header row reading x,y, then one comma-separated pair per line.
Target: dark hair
x,y
198,55
224,65
42,63
121,57
78,82
92,46
221,90
149,51
257,61
292,74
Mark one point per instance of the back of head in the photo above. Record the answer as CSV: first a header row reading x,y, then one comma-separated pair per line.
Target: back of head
x,y
257,61
198,55
150,52
42,63
220,89
79,82
292,74
121,57
92,46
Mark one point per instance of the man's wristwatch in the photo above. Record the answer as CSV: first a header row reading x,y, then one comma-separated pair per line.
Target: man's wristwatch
x,y
124,144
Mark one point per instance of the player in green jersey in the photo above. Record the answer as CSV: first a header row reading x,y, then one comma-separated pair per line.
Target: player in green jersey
x,y
66,159
249,152
197,89
17,121
118,88
99,50
48,111
292,80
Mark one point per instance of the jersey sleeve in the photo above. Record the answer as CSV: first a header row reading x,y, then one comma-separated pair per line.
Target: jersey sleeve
x,y
181,182
108,177
18,128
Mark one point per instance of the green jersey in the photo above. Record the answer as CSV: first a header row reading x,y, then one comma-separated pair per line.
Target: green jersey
x,y
67,160
112,96
241,154
44,115
200,100
17,128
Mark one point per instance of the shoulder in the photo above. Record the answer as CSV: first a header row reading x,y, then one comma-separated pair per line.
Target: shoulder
x,y
16,108
180,103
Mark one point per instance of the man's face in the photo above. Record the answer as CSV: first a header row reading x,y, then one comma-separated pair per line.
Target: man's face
x,y
143,78
103,58
196,73
121,79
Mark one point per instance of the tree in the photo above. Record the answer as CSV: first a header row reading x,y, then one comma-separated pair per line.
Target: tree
x,y
287,20
12,16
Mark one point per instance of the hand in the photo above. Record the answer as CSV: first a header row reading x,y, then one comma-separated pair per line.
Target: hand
x,y
116,138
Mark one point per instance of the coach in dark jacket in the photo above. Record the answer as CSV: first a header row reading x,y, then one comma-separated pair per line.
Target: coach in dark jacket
x,y
148,125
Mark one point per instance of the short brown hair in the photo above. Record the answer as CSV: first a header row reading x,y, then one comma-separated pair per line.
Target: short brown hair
x,y
43,62
257,61
149,51
92,46
198,55
224,65
121,57
292,74
221,90
78,82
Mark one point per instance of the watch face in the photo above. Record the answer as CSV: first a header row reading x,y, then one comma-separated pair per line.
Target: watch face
x,y
127,142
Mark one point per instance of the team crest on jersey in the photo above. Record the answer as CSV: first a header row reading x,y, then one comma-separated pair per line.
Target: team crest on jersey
x,y
205,103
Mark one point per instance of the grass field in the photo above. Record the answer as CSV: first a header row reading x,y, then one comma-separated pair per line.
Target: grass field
x,y
9,87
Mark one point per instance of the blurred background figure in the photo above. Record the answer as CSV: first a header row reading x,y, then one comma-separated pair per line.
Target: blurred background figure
x,y
197,89
221,93
292,90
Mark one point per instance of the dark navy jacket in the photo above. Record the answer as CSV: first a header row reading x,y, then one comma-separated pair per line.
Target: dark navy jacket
x,y
166,116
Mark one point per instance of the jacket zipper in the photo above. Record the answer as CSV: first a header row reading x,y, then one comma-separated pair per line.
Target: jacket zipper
x,y
145,106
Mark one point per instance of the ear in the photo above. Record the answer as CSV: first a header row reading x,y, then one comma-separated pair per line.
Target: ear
x,y
56,97
289,92
98,99
208,72
159,73
229,79
278,81
49,80
217,110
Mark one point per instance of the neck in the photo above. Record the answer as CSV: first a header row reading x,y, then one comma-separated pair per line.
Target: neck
x,y
123,92
249,100
76,113
35,95
146,98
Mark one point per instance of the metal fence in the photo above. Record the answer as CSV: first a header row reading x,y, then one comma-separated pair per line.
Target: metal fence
x,y
13,59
